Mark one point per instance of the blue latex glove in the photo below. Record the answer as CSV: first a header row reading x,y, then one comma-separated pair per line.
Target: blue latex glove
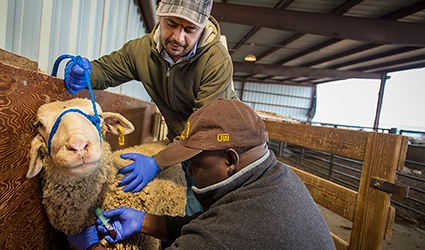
x,y
125,221
76,78
83,240
143,170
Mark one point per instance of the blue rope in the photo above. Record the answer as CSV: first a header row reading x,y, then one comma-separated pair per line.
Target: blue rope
x,y
95,120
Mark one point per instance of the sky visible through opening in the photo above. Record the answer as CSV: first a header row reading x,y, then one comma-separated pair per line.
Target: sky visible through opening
x,y
353,102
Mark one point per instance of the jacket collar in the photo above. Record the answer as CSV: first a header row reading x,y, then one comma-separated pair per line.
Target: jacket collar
x,y
207,196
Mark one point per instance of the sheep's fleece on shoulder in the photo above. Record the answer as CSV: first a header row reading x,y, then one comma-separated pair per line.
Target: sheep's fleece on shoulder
x,y
81,172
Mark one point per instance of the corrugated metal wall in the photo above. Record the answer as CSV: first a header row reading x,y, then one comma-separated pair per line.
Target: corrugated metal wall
x,y
291,101
42,30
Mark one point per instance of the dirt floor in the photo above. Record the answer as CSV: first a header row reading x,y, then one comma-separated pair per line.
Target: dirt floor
x,y
405,235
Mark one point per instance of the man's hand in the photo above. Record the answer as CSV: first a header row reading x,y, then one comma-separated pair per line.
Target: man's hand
x,y
125,221
83,240
143,170
76,78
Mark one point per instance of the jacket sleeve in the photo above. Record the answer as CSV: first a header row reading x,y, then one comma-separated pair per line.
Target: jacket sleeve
x,y
217,79
175,224
116,68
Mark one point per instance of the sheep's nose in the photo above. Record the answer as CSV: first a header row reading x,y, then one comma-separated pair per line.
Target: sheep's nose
x,y
78,146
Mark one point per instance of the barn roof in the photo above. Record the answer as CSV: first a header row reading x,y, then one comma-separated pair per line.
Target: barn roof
x,y
308,42
312,41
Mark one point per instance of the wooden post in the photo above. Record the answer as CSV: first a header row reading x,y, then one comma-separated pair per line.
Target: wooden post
x,y
370,217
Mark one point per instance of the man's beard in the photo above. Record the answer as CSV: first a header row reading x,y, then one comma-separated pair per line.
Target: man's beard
x,y
183,45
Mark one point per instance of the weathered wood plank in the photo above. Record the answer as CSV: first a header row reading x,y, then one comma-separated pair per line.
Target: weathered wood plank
x,y
372,208
22,217
390,223
403,153
18,61
334,197
342,142
340,244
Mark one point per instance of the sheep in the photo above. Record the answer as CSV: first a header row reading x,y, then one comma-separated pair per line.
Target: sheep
x,y
80,171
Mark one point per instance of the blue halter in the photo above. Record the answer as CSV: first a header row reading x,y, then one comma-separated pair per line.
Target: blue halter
x,y
95,120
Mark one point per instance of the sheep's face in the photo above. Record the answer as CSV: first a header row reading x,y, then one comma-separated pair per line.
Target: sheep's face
x,y
76,147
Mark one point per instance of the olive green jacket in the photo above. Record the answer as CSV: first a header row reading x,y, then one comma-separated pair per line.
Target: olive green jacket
x,y
179,90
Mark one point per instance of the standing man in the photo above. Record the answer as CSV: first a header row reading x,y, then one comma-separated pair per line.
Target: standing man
x,y
249,199
182,65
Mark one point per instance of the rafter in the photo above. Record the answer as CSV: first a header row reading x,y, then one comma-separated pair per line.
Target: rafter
x,y
418,58
377,56
147,13
341,9
290,71
403,12
384,31
283,82
280,5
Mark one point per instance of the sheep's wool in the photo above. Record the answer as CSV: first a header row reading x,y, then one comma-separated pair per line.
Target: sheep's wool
x,y
69,201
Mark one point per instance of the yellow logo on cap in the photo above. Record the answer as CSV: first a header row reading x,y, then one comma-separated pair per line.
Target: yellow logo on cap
x,y
222,137
187,131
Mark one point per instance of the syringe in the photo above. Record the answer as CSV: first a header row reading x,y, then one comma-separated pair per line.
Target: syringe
x,y
105,222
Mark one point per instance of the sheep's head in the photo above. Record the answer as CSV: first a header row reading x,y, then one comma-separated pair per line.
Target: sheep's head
x,y
75,147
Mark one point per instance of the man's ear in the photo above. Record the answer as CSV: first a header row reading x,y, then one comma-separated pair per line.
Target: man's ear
x,y
232,161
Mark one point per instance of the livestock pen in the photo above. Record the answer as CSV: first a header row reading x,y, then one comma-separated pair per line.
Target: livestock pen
x,y
24,222
347,172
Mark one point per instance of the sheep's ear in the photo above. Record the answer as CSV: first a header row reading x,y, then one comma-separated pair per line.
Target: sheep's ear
x,y
114,120
36,157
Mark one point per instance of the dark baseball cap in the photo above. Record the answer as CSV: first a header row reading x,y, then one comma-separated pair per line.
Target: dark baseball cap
x,y
219,125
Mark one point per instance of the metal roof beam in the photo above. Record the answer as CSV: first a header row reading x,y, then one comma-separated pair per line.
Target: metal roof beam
x,y
375,57
337,11
148,14
284,82
418,60
290,71
341,9
287,41
405,11
281,5
379,31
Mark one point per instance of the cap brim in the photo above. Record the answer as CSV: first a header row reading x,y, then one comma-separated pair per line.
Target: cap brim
x,y
175,154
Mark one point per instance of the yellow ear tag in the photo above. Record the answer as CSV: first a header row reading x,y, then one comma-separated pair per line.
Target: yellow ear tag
x,y
120,136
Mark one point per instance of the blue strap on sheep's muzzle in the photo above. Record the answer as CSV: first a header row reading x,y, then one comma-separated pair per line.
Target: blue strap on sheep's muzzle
x,y
95,120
